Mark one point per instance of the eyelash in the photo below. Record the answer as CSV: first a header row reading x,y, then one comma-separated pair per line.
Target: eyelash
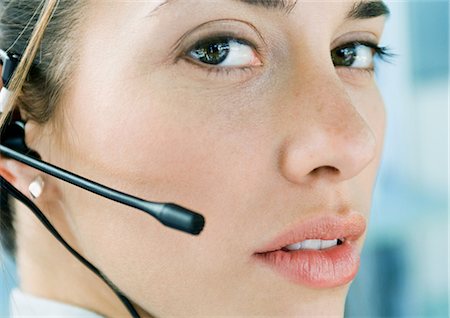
x,y
382,53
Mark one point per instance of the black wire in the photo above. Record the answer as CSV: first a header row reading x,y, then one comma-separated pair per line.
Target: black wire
x,y
43,219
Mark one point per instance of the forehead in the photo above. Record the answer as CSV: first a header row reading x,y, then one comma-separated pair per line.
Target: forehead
x,y
359,9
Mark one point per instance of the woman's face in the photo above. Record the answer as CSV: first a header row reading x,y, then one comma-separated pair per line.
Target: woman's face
x,y
234,110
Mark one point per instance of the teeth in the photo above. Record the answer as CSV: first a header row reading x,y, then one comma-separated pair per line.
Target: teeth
x,y
329,243
294,247
311,245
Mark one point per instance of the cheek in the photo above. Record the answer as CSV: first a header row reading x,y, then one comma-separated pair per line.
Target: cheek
x,y
176,137
199,150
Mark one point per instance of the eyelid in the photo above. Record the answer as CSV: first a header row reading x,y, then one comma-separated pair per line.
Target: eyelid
x,y
230,28
361,37
232,75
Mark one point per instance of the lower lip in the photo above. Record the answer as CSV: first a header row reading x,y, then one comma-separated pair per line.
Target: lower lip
x,y
331,267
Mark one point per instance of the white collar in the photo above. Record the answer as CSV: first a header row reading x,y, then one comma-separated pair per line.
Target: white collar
x,y
25,305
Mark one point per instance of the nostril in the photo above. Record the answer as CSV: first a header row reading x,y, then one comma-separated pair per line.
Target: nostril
x,y
324,169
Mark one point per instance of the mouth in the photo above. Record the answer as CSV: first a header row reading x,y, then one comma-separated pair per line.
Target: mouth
x,y
314,244
319,253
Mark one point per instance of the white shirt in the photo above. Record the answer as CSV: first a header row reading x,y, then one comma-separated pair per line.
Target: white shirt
x,y
24,305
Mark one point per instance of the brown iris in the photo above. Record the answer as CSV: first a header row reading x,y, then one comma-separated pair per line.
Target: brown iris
x,y
212,51
344,55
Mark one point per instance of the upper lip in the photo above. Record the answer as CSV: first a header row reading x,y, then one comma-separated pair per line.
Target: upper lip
x,y
322,227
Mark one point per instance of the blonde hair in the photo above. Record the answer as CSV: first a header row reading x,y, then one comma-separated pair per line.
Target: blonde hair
x,y
49,34
27,59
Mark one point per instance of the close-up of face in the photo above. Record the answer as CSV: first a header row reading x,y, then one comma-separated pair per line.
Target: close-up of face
x,y
263,116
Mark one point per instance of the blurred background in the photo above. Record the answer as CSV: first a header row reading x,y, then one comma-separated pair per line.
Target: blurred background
x,y
404,265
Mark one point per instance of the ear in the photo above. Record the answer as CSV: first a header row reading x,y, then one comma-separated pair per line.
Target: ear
x,y
16,173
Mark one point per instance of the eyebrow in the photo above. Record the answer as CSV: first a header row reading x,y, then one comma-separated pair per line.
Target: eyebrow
x,y
285,6
368,10
360,10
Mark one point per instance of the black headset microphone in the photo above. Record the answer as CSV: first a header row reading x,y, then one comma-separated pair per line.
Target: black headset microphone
x,y
13,145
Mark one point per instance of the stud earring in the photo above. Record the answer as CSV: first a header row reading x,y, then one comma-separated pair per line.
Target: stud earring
x,y
36,187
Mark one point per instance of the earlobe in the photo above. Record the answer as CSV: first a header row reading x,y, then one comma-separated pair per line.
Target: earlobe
x,y
18,175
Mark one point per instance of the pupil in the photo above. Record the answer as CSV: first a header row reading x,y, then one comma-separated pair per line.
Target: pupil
x,y
212,52
345,56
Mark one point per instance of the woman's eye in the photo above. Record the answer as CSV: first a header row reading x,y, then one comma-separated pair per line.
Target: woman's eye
x,y
356,55
227,52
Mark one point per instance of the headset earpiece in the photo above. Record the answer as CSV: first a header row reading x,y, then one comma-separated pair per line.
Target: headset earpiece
x,y
13,137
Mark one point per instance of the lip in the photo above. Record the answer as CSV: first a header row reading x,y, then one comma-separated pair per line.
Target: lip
x,y
325,268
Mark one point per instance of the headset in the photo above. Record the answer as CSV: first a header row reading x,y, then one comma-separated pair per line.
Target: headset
x,y
13,146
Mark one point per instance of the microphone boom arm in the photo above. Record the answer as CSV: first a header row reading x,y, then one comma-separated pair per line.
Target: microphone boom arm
x,y
169,214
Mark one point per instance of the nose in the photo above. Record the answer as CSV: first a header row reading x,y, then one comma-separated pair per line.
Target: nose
x,y
327,138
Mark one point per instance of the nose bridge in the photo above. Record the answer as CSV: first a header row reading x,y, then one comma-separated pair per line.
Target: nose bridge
x,y
327,133
335,114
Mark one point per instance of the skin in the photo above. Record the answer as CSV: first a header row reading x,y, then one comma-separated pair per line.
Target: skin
x,y
253,151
